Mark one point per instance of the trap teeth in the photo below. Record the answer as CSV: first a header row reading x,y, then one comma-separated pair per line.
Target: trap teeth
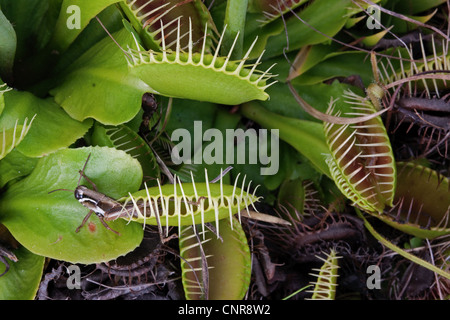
x,y
182,204
421,205
177,73
361,160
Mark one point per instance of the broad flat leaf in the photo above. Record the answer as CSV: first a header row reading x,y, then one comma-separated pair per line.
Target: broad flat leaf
x,y
305,136
45,223
28,18
98,85
15,165
283,102
123,138
338,64
326,16
52,129
8,42
21,282
111,19
414,7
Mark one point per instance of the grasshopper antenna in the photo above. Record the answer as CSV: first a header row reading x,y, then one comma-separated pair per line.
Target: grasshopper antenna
x,y
109,34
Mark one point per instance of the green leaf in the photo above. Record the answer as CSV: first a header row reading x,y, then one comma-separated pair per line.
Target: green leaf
x,y
328,17
67,29
254,29
123,138
22,280
305,136
338,64
98,85
235,16
8,42
414,7
45,223
111,19
52,129
283,102
15,165
28,18
10,138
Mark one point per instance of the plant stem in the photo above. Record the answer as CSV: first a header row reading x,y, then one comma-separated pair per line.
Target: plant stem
x,y
401,252
235,21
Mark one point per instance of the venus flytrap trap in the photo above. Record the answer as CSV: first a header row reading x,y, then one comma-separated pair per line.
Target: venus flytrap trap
x,y
181,55
326,277
10,138
361,160
273,9
214,268
156,21
176,73
417,90
124,138
182,204
421,204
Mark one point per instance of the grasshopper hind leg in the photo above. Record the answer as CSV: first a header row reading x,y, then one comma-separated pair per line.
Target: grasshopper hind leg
x,y
102,220
86,218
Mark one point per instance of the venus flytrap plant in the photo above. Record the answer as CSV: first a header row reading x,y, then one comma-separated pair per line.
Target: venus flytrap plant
x,y
305,136
177,73
327,275
124,138
22,280
273,9
86,88
156,21
422,204
10,138
182,204
361,160
214,268
45,223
